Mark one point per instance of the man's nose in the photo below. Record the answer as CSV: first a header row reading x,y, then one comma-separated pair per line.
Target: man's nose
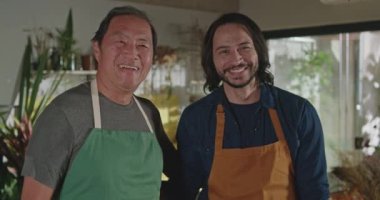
x,y
129,49
236,58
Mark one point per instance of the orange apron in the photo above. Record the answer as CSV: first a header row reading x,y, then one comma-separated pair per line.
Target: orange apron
x,y
254,173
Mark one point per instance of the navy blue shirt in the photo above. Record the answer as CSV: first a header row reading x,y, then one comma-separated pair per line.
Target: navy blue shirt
x,y
248,126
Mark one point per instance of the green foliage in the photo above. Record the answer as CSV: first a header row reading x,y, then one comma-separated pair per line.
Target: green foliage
x,y
15,135
316,63
7,183
30,83
16,123
65,41
312,75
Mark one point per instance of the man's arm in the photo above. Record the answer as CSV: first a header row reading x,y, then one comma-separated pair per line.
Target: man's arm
x,y
47,154
310,167
34,190
192,172
170,189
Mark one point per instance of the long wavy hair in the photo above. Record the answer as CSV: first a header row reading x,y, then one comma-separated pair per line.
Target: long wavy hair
x,y
213,80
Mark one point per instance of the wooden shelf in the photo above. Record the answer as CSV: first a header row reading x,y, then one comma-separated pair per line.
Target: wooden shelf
x,y
74,72
80,72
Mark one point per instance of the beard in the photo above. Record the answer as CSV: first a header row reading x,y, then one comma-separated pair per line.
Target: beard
x,y
252,72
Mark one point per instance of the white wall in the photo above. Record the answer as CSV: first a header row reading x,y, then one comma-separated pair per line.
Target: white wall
x,y
287,14
16,15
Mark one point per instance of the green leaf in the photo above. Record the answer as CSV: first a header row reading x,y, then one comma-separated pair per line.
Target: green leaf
x,y
36,84
13,139
26,67
47,96
69,25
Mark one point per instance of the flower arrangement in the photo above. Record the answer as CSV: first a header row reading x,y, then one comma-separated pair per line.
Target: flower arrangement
x,y
361,178
371,133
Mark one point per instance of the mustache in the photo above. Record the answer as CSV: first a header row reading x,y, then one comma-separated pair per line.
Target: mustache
x,y
244,64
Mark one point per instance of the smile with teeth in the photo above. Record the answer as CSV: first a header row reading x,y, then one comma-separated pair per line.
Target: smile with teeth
x,y
236,69
123,66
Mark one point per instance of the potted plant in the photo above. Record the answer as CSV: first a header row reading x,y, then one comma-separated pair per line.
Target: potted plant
x,y
17,121
15,125
65,44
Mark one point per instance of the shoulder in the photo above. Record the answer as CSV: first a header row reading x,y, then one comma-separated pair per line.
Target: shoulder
x,y
295,111
296,102
288,97
69,106
149,107
204,104
75,97
200,114
146,102
288,102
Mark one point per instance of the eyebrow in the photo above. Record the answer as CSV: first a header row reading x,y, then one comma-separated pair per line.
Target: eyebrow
x,y
240,44
143,40
221,47
141,37
247,42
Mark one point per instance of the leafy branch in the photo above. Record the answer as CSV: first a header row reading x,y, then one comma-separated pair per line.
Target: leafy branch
x,y
16,123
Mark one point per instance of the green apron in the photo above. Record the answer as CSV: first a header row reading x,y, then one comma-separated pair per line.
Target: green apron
x,y
114,164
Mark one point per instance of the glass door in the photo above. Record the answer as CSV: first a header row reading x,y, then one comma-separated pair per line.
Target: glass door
x,y
339,74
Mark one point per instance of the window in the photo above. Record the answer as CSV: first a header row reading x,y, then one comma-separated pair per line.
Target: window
x,y
340,75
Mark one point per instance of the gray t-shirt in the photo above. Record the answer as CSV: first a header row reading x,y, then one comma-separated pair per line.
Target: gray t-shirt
x,y
64,125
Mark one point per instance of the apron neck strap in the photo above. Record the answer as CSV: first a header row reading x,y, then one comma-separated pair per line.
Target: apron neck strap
x,y
219,128
95,104
277,125
96,107
143,113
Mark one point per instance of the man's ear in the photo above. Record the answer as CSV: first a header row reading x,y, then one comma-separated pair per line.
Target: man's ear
x,y
96,50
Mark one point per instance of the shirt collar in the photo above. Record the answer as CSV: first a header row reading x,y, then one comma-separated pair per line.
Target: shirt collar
x,y
266,96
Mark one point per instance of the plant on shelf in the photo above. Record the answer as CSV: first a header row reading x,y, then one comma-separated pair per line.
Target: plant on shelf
x,y
66,42
18,119
58,44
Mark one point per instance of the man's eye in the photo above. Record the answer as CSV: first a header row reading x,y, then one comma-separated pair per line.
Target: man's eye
x,y
223,52
246,47
143,45
120,43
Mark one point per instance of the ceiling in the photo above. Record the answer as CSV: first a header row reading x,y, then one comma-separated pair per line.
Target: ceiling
x,y
221,6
